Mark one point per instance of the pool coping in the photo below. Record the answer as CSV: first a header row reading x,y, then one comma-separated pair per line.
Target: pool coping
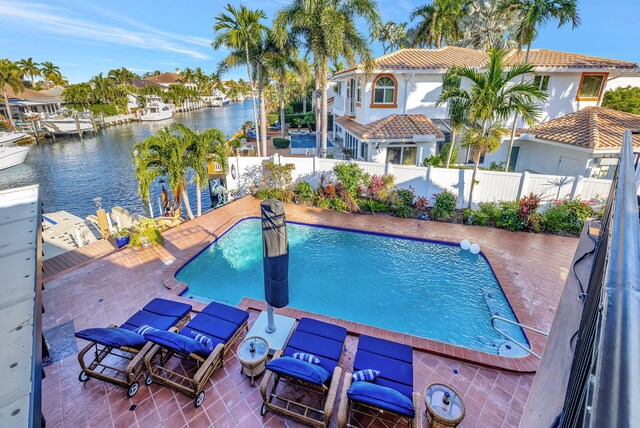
x,y
528,364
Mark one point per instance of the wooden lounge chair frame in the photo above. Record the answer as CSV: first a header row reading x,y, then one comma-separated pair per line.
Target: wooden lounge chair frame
x,y
190,386
324,410
127,376
346,408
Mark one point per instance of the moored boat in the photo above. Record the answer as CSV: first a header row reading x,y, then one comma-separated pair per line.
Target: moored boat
x,y
10,138
12,156
68,122
156,110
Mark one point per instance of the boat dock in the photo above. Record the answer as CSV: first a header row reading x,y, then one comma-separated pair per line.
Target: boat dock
x,y
63,232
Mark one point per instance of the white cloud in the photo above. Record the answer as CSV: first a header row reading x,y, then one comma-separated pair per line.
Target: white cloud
x,y
44,18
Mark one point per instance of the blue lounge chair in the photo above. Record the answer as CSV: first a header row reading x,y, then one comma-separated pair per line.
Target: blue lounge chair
x,y
390,393
276,126
117,344
251,134
220,323
324,341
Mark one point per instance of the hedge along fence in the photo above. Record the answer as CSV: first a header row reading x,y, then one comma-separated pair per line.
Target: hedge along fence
x,y
492,186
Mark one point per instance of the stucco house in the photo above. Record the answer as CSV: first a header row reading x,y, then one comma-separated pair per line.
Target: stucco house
x,y
585,143
409,81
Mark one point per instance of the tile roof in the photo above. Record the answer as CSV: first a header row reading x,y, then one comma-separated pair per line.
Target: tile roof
x,y
453,56
595,128
143,83
25,93
393,127
167,77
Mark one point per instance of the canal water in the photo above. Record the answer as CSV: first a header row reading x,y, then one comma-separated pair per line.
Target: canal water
x,y
71,172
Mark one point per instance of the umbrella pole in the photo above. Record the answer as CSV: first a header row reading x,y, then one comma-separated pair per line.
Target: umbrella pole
x,y
271,325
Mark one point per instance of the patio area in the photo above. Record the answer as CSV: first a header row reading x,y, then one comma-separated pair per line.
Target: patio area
x,y
532,270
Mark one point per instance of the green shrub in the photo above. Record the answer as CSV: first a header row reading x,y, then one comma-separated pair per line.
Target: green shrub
x,y
351,177
475,217
272,118
566,216
339,204
323,203
304,191
491,210
444,207
284,195
407,196
281,143
278,176
403,211
508,218
146,233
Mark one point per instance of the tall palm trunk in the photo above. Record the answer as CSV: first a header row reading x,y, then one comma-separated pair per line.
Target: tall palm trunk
x,y
318,108
453,143
185,200
476,167
262,115
323,135
7,107
282,124
253,98
304,102
515,119
198,197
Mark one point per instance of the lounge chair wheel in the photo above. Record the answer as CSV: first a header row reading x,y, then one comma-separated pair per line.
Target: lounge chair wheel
x,y
263,409
148,380
199,399
83,376
133,389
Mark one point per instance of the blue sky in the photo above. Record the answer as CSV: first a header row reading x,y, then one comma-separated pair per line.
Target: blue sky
x,y
86,37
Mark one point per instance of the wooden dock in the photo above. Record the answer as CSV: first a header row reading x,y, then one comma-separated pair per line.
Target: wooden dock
x,y
76,258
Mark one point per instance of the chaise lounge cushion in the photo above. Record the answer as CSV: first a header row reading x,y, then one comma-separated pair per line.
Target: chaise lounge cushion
x,y
299,369
393,360
381,397
219,322
325,341
179,343
159,313
113,337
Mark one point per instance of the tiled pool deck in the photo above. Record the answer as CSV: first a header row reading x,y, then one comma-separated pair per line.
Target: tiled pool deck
x,y
531,268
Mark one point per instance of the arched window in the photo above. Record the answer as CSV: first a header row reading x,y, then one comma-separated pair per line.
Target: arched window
x,y
384,91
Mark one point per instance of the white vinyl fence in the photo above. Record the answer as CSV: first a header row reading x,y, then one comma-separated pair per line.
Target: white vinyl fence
x,y
246,172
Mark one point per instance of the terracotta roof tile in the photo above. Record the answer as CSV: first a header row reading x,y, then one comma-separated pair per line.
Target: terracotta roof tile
x,y
25,93
452,56
595,128
167,77
393,127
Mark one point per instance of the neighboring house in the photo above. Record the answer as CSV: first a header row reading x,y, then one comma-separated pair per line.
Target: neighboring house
x,y
585,143
29,103
167,79
409,82
134,101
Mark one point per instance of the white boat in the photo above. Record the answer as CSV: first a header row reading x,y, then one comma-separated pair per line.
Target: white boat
x,y
10,138
219,98
67,122
156,109
12,156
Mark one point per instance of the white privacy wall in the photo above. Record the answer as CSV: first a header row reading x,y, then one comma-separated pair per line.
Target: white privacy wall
x,y
492,186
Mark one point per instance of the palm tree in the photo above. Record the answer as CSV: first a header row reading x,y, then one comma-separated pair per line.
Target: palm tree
x,y
303,78
79,93
308,21
102,89
10,77
484,27
457,111
531,14
209,145
187,75
393,36
238,29
121,75
279,61
439,22
29,68
168,154
491,99
51,72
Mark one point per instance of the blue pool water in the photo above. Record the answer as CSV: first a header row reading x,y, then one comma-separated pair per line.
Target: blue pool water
x,y
427,289
305,141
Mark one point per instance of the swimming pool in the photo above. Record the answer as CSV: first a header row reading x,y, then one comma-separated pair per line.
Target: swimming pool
x,y
427,289
305,141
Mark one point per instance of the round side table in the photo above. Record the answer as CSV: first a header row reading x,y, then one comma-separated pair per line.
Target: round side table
x,y
252,353
444,406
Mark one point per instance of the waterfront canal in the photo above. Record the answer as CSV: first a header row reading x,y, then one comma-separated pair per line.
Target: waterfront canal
x,y
71,172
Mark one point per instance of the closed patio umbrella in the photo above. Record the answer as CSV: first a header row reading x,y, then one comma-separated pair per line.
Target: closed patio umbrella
x,y
275,249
